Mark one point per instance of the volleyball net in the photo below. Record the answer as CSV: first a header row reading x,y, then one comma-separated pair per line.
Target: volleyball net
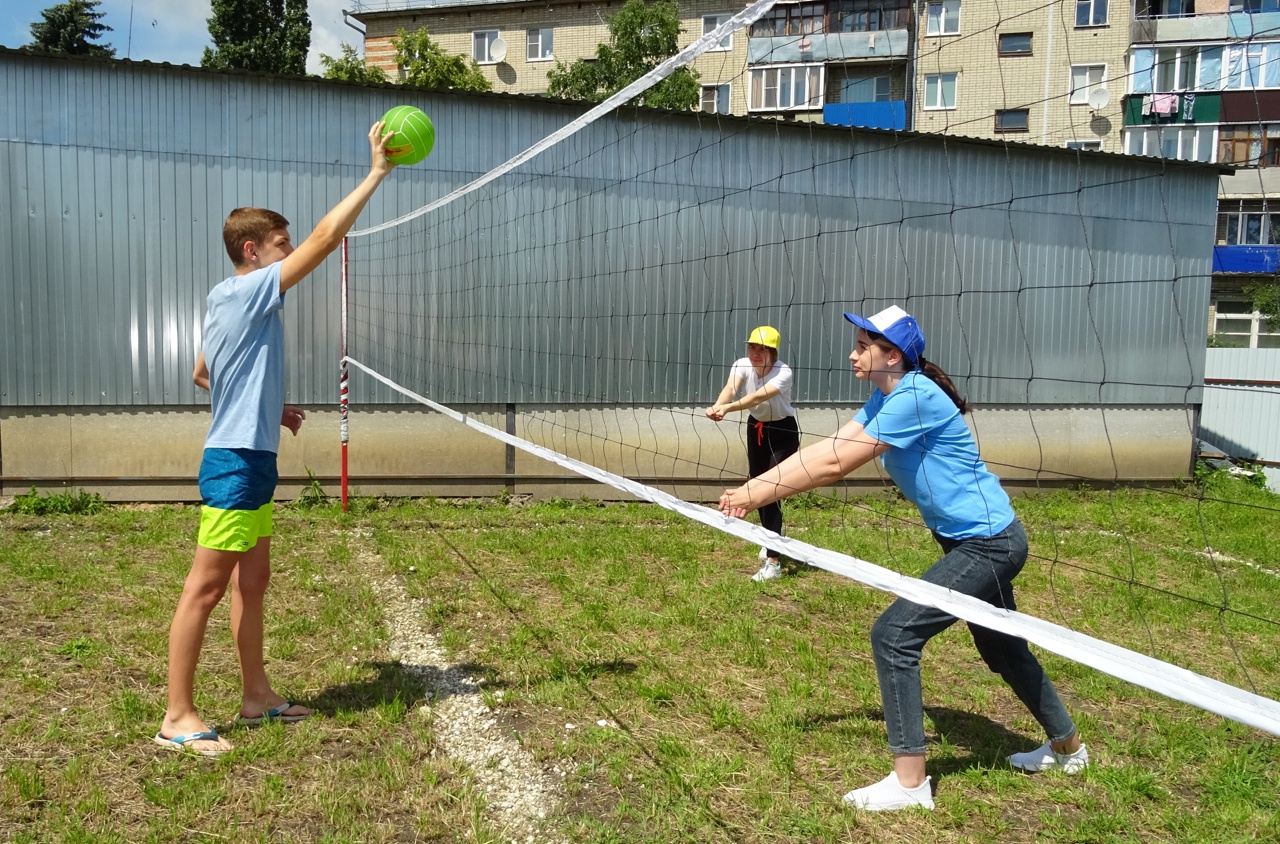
x,y
582,301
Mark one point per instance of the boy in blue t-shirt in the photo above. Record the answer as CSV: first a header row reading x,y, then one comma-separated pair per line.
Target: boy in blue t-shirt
x,y
242,366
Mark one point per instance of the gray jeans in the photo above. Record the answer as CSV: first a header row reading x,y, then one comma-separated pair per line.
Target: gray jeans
x,y
984,568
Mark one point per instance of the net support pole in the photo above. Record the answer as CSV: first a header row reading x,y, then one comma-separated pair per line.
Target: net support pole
x,y
343,375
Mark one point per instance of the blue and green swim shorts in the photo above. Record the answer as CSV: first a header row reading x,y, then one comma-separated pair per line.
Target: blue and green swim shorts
x,y
238,486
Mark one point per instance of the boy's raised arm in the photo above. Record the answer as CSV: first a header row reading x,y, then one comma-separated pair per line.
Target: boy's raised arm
x,y
334,226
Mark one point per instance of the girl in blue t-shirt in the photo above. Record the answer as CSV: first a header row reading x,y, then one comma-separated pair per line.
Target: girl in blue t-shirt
x,y
913,423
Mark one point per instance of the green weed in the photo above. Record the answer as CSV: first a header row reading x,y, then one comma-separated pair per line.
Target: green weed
x,y
79,503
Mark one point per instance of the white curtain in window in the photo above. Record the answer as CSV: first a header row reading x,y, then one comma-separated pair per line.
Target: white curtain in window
x,y
1271,65
1144,61
1235,67
1210,69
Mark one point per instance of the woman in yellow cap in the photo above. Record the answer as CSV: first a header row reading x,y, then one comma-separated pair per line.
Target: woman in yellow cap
x,y
764,384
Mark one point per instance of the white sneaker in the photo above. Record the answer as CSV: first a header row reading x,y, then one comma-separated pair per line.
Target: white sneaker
x,y
888,795
1045,758
763,555
768,571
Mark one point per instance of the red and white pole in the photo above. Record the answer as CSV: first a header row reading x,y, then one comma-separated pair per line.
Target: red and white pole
x,y
342,380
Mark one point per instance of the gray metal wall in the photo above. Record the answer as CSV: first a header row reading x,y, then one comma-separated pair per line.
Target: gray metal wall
x,y
1241,411
649,246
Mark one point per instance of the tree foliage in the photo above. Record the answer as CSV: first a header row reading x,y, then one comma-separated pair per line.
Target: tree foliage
x,y
350,67
72,27
640,38
427,65
1266,300
263,35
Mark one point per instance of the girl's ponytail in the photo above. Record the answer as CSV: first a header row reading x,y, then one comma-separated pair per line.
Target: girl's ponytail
x,y
937,376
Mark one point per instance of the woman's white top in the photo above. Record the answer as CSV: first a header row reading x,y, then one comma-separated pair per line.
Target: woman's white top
x,y
773,409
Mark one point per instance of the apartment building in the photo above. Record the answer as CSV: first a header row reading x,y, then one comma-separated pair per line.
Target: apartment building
x,y
974,67
1034,72
516,42
1204,85
795,62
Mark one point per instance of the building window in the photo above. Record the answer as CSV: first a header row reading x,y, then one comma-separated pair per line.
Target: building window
x,y
1171,70
538,45
1084,78
482,46
944,18
709,24
1176,69
790,19
1248,223
1013,119
940,90
1147,9
866,15
1255,145
1244,66
874,89
1015,44
1253,65
1091,12
1253,7
1187,143
715,99
1085,145
786,87
1237,325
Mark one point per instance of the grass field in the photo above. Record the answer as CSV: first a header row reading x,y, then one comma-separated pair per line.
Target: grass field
x,y
704,708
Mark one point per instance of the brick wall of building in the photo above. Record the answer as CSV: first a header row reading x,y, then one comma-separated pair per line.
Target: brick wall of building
x,y
1038,82
578,29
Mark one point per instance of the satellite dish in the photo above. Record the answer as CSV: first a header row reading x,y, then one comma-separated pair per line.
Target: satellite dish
x,y
498,49
1099,98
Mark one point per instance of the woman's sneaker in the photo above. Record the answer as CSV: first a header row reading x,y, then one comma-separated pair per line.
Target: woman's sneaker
x,y
1045,758
888,795
768,571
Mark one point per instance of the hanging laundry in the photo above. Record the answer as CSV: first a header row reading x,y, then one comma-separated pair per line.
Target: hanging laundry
x,y
1146,105
1164,103
1188,107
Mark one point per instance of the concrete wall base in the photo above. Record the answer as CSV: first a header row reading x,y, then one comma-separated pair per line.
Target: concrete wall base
x,y
153,454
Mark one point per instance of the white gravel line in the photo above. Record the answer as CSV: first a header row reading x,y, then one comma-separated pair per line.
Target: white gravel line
x,y
519,794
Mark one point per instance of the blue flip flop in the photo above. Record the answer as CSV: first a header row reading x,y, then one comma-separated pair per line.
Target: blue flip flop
x,y
179,743
275,713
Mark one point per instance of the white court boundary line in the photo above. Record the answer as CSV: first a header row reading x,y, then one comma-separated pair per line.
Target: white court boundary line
x,y
1169,680
653,77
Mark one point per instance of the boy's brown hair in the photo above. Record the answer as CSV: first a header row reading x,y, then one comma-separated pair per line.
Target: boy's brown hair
x,y
246,224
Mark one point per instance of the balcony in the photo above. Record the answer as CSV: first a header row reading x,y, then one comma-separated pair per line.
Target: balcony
x,y
885,115
1212,26
1253,260
876,45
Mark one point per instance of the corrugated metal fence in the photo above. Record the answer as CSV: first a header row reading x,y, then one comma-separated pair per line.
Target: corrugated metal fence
x,y
1241,412
1057,278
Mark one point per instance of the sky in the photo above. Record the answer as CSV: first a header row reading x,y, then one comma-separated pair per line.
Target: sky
x,y
174,31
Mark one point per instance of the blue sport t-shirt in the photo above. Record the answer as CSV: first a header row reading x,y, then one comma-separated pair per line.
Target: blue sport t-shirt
x,y
244,351
934,460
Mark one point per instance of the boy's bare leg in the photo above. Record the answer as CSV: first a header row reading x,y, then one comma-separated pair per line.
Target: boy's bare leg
x,y
249,584
204,587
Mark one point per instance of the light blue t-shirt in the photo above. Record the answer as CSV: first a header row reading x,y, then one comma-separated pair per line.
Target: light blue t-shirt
x,y
244,350
934,460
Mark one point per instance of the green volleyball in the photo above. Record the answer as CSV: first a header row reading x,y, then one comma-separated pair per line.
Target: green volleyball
x,y
412,135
